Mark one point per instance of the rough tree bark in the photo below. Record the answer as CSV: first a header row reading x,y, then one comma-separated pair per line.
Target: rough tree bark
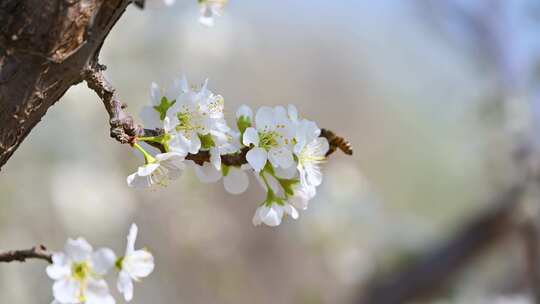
x,y
45,47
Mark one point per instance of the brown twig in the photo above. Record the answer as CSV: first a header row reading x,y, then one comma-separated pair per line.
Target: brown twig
x,y
37,252
123,128
238,159
125,131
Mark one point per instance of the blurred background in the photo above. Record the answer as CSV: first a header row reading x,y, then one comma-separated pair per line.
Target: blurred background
x,y
432,95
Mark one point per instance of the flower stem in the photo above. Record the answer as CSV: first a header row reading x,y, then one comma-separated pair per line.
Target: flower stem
x,y
150,138
148,159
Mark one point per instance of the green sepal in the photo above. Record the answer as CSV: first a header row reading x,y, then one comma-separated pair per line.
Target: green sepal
x,y
225,170
287,185
118,263
206,141
268,168
163,107
272,198
243,122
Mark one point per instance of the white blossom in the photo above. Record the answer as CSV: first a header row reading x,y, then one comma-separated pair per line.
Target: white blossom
x,y
276,205
198,121
272,214
302,195
160,100
134,265
158,170
284,150
270,139
310,149
209,9
235,179
78,273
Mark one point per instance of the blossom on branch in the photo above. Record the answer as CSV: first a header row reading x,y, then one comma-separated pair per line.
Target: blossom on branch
x,y
134,265
79,271
282,150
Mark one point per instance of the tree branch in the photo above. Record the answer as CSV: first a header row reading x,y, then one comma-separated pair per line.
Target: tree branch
x,y
44,48
37,252
123,128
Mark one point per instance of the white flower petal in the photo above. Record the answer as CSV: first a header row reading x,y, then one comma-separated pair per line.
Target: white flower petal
x,y
215,158
172,157
251,136
147,169
139,264
257,220
97,292
236,181
155,94
302,196
125,285
272,216
136,181
206,18
207,173
313,175
287,173
290,210
103,260
293,113
322,146
59,268
178,144
281,157
280,113
257,157
66,291
78,250
306,131
131,238
265,119
167,124
195,144
175,89
244,111
184,85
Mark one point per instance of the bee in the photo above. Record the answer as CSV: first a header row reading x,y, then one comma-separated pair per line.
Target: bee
x,y
336,142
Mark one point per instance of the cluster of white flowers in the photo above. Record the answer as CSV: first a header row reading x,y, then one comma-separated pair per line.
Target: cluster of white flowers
x,y
282,150
208,9
79,271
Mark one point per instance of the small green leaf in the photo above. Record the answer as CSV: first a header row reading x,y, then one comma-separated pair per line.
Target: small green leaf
x,y
163,106
243,123
287,185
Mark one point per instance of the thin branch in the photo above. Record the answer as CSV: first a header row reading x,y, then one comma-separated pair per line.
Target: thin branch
x,y
37,252
239,158
125,131
123,128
